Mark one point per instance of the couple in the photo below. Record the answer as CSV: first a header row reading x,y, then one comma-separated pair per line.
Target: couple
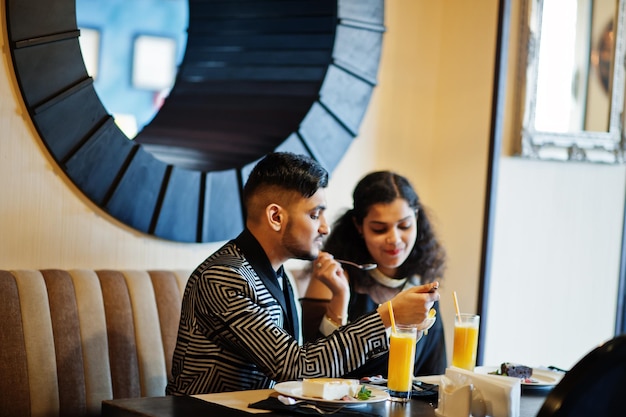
x,y
239,328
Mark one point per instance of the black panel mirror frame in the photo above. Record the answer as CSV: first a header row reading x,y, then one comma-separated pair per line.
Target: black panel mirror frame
x,y
298,78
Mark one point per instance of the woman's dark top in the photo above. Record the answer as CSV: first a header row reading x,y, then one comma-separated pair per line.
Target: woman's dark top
x,y
430,351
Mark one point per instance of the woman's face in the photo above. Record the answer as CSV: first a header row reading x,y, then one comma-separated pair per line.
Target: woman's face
x,y
389,231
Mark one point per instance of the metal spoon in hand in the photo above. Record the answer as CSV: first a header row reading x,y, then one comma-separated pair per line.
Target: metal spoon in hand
x,y
364,267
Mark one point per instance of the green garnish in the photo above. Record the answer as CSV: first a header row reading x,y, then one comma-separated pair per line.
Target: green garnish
x,y
364,393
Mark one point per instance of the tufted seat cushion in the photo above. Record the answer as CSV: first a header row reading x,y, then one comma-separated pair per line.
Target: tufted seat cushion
x,y
72,338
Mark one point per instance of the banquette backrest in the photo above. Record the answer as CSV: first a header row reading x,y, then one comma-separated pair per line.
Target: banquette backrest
x,y
72,338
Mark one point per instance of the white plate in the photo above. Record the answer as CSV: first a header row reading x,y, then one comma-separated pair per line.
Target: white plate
x,y
541,378
294,389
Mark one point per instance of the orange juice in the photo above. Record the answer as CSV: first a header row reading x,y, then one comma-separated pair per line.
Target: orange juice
x,y
401,360
465,341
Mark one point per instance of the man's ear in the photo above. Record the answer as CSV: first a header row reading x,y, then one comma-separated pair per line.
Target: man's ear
x,y
275,216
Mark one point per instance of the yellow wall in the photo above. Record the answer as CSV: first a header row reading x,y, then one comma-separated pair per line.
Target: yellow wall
x,y
428,119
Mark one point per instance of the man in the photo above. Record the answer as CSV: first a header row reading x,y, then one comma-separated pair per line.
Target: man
x,y
239,327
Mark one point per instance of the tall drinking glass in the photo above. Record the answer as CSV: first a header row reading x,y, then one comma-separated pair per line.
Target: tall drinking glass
x,y
401,359
465,341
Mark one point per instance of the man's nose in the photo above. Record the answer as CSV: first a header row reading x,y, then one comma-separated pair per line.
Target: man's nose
x,y
324,227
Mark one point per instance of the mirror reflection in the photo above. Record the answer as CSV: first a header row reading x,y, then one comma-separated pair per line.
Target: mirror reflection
x,y
572,78
575,61
132,49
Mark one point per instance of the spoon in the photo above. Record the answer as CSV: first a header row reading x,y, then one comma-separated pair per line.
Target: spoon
x,y
364,267
304,404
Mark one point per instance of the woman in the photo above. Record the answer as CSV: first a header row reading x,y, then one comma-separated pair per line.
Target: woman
x,y
388,226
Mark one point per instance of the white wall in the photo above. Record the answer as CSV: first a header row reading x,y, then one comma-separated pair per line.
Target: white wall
x,y
556,249
556,261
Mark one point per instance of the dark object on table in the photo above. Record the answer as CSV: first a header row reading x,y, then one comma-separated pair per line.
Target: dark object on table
x,y
421,390
557,369
272,403
595,386
425,392
516,370
168,406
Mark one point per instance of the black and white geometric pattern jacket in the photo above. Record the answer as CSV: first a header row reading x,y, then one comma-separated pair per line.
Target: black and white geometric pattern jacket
x,y
234,332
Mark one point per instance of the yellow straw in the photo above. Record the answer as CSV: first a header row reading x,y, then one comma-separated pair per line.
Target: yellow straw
x,y
456,305
393,320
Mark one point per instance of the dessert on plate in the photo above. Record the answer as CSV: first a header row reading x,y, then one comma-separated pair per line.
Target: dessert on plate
x,y
516,370
330,388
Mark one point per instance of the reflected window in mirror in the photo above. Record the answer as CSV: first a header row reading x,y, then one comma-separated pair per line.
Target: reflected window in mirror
x,y
132,49
574,91
570,94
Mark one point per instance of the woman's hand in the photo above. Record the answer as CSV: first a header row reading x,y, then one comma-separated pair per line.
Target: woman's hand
x,y
411,306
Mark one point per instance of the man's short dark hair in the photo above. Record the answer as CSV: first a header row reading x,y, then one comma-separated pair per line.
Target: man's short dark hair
x,y
288,171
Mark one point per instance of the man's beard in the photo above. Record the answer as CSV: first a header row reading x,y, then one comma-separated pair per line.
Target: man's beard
x,y
296,247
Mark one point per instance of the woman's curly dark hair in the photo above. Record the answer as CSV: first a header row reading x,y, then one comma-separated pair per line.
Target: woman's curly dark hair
x,y
428,257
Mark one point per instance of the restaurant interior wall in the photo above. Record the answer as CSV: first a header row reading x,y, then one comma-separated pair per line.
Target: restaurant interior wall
x,y
556,250
429,119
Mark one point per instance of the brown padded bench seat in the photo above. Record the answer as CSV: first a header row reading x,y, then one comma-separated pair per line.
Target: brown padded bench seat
x,y
72,338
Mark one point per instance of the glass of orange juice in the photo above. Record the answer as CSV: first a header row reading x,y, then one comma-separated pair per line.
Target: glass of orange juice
x,y
465,340
401,359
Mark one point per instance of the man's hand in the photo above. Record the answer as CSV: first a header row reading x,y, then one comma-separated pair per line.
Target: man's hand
x,y
330,273
411,306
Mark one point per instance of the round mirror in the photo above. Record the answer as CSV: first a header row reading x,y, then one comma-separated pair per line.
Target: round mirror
x,y
256,76
133,62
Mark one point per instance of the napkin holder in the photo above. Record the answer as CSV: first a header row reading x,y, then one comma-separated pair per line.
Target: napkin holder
x,y
489,395
454,400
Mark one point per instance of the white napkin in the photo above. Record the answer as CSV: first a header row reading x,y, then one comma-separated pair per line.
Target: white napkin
x,y
492,395
454,399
